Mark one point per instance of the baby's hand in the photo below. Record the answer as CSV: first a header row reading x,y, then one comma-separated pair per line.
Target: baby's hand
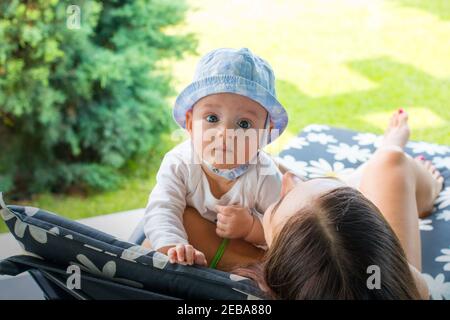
x,y
186,254
233,222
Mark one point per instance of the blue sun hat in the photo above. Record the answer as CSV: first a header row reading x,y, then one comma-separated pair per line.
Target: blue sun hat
x,y
239,71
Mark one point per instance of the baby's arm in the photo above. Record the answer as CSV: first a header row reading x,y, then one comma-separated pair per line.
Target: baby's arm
x,y
163,219
236,222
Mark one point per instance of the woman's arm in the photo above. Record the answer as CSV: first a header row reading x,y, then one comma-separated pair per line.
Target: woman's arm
x,y
202,235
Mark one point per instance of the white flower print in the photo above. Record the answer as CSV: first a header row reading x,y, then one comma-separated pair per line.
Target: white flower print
x,y
54,231
352,153
445,258
442,162
426,147
36,233
108,270
365,139
321,138
444,198
445,215
235,277
298,167
4,211
439,289
425,224
31,211
6,214
160,260
134,252
22,246
316,128
322,168
297,143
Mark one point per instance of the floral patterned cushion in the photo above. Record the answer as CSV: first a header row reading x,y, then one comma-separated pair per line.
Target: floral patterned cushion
x,y
64,242
321,150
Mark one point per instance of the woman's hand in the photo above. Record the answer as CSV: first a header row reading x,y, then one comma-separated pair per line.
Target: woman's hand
x,y
234,222
186,254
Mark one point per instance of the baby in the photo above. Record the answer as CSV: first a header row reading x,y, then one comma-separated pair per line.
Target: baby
x,y
230,112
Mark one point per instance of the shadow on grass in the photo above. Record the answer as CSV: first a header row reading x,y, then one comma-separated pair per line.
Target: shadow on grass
x,y
440,8
396,85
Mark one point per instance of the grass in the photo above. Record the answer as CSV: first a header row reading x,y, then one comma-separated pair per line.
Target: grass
x,y
346,63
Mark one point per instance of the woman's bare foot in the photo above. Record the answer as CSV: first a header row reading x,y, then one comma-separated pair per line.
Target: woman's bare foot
x,y
397,132
395,137
430,184
429,179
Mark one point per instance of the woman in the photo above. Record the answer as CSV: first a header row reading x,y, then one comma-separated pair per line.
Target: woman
x,y
324,234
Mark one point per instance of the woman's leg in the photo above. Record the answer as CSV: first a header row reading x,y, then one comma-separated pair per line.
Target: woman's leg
x,y
401,187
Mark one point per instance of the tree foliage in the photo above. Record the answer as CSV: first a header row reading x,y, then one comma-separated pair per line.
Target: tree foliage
x,y
77,104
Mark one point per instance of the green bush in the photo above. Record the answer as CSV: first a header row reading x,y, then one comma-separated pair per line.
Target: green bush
x,y
76,105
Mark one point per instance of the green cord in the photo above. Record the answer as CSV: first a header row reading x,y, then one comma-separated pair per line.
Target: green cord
x,y
219,253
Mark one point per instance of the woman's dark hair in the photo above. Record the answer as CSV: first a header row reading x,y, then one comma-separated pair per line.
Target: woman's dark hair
x,y
324,251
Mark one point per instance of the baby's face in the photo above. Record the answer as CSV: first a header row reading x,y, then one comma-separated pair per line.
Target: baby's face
x,y
226,129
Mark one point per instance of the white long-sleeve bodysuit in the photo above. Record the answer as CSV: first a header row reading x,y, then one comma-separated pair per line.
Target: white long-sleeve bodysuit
x,y
181,182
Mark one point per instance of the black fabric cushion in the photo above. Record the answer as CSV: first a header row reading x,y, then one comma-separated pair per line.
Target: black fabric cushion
x,y
321,150
64,242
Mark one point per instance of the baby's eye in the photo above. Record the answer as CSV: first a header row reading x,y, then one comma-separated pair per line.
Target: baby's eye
x,y
212,118
244,124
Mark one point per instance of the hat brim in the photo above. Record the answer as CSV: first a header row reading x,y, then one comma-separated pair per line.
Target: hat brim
x,y
229,84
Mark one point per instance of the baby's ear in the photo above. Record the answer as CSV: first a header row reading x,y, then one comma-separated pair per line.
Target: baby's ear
x,y
189,121
270,131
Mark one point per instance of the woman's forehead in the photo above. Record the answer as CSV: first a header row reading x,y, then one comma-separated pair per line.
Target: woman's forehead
x,y
304,193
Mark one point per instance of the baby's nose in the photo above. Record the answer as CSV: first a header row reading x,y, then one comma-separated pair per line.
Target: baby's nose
x,y
225,129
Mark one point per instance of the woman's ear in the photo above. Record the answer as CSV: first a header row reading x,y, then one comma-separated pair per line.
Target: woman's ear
x,y
189,121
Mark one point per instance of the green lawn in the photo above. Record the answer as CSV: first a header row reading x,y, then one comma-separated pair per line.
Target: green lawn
x,y
345,63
